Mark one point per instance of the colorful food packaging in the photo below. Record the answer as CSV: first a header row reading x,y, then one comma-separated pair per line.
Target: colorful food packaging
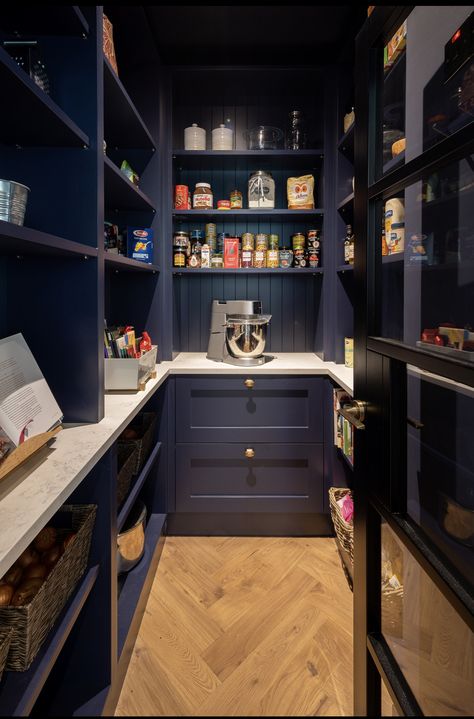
x,y
300,192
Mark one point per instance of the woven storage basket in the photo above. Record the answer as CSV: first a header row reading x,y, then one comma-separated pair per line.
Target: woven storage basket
x,y
32,622
145,423
5,639
127,462
343,529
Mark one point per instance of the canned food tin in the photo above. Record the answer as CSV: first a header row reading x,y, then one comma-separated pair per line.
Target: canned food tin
x,y
217,261
181,197
273,242
211,229
286,258
223,204
301,258
298,241
179,258
261,242
248,241
246,259
313,257
259,258
273,258
313,238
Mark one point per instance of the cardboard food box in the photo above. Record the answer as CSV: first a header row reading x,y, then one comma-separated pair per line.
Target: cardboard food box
x,y
231,252
140,244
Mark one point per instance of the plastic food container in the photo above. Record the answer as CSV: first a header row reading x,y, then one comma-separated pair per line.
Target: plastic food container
x,y
131,540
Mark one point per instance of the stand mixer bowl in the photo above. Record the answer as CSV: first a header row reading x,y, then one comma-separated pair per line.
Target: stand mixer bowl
x,y
246,335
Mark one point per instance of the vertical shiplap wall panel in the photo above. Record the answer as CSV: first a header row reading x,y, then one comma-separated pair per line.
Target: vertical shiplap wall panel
x,y
292,300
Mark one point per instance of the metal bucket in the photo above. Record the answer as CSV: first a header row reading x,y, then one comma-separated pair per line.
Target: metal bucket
x,y
13,199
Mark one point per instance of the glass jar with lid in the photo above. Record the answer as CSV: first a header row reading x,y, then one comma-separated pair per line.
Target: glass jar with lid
x,y
296,133
202,196
261,190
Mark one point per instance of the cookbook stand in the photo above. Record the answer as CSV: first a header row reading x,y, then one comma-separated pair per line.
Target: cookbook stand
x,y
25,450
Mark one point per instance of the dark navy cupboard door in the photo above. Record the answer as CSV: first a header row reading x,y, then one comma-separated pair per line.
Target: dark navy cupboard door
x,y
220,478
275,409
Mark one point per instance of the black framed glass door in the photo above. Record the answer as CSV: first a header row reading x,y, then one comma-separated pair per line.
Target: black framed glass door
x,y
414,362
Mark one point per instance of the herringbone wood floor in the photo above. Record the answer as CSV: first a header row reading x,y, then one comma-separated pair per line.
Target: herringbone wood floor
x,y
239,626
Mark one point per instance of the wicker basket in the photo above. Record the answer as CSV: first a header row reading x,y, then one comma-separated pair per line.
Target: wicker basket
x,y
343,529
5,639
32,622
145,424
126,461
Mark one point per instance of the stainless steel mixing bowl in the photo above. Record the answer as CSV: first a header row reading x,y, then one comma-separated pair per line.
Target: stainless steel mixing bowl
x,y
246,334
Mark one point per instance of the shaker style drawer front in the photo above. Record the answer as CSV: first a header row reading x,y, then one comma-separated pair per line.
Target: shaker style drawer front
x,y
249,478
246,408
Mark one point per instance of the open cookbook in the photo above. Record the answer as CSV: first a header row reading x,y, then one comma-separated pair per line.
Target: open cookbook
x,y
27,405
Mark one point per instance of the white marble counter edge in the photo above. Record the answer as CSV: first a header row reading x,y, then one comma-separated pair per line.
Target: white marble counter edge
x,y
58,470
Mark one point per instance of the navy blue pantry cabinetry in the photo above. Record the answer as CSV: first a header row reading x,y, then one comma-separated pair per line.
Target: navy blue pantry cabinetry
x,y
271,409
249,477
249,455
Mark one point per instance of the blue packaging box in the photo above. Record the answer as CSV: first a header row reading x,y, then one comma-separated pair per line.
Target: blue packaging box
x,y
140,244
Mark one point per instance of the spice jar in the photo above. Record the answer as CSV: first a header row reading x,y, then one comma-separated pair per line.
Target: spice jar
x,y
236,200
261,190
202,196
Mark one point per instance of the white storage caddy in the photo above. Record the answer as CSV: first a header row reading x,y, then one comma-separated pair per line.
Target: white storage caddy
x,y
130,374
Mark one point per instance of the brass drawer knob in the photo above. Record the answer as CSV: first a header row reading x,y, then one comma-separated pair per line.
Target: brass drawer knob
x,y
249,383
249,452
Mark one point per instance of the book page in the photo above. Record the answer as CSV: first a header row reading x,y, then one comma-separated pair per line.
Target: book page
x,y
27,405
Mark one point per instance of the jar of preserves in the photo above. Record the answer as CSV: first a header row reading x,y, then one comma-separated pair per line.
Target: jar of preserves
x,y
259,258
248,241
298,241
273,258
181,249
203,198
236,201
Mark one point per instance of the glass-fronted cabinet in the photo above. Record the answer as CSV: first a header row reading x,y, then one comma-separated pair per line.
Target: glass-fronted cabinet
x,y
414,362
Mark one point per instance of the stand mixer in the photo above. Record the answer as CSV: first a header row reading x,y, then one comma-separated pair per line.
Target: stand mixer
x,y
238,332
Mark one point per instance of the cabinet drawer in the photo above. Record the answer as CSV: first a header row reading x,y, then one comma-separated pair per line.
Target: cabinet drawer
x,y
279,478
275,409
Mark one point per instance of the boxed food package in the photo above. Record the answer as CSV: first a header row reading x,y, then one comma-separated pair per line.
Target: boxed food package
x,y
140,244
231,252
395,46
108,43
300,192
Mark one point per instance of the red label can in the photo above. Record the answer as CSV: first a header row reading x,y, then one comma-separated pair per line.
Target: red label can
x,y
181,197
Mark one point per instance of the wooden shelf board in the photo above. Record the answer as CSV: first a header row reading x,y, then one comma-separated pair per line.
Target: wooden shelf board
x,y
19,690
41,122
139,482
21,240
120,193
44,20
347,203
249,271
127,264
283,214
137,579
123,124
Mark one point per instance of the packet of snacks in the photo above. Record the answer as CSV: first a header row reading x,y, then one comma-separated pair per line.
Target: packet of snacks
x,y
300,192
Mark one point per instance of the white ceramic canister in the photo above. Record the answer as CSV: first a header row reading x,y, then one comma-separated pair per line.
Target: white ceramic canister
x,y
222,138
194,138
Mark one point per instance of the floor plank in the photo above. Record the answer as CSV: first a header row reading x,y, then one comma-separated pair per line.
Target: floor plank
x,y
244,626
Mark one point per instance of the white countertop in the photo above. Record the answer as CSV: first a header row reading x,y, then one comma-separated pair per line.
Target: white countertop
x,y
30,495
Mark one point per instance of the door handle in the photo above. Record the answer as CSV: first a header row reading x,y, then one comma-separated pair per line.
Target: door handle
x,y
249,453
249,383
354,413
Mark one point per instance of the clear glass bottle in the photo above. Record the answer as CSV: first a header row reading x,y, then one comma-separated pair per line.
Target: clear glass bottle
x,y
296,133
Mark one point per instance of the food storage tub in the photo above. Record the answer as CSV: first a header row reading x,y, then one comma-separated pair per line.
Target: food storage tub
x,y
130,374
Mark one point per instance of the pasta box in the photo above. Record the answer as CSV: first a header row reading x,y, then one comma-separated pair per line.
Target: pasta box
x,y
140,244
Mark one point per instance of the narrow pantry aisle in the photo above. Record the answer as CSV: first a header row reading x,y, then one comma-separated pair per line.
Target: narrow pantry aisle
x,y
244,626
